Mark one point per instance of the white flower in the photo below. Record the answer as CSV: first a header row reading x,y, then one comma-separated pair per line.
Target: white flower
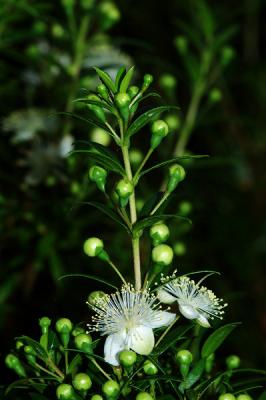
x,y
128,318
194,301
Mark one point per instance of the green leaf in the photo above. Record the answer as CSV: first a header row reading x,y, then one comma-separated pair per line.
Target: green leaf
x,y
126,80
216,339
90,121
53,342
26,382
38,349
76,361
108,211
149,221
95,103
145,118
171,161
97,146
172,337
106,79
151,94
106,162
119,76
194,375
95,278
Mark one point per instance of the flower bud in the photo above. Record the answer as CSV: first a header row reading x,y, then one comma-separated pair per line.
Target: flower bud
x,y
97,110
150,368
227,396
184,358
95,296
77,331
159,233
232,362
96,397
109,14
244,397
82,382
124,189
93,246
135,156
147,80
44,323
57,31
133,91
111,388
144,396
181,44
103,91
100,136
127,358
83,342
159,130
180,248
162,254
173,121
14,363
19,344
122,101
168,83
227,54
65,392
64,327
185,208
98,175
176,175
215,95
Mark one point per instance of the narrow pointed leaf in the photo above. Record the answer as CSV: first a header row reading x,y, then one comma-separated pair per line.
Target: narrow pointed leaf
x,y
106,79
149,221
216,339
126,80
106,162
86,276
119,76
95,103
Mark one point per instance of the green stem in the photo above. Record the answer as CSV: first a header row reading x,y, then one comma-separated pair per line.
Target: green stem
x,y
45,370
145,159
66,361
117,271
158,205
55,368
166,331
133,218
100,368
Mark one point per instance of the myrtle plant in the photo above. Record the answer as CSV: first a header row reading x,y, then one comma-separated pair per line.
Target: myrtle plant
x,y
161,339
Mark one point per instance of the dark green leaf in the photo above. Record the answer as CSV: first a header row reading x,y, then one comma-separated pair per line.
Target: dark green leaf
x,y
145,118
126,80
150,204
216,339
97,146
149,221
38,349
90,121
106,79
76,361
151,94
95,278
106,162
96,103
172,337
53,342
119,76
194,375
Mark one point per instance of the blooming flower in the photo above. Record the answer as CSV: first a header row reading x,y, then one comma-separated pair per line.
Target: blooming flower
x,y
128,318
194,301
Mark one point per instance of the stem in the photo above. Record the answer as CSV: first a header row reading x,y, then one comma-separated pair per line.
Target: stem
x,y
133,217
66,361
166,331
117,271
100,368
158,205
55,368
145,159
45,370
115,136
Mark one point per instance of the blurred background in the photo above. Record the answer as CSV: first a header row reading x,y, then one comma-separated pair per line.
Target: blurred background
x,y
207,58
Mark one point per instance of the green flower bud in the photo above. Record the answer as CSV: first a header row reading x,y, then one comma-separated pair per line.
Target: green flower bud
x,y
150,368
159,233
215,95
147,80
185,208
244,397
144,396
180,248
176,175
103,91
127,358
232,362
173,122
93,246
109,14
64,327
29,350
168,83
44,323
135,156
77,331
159,130
184,358
97,110
14,363
122,101
95,296
227,54
181,44
96,397
133,91
98,175
100,136
162,254
83,342
124,189
19,344
82,382
58,31
227,396
111,388
65,392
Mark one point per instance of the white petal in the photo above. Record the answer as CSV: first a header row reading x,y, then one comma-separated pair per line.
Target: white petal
x,y
203,321
188,311
142,340
113,345
165,297
162,318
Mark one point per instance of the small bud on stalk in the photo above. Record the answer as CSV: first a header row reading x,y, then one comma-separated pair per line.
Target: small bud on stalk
x,y
122,101
232,362
147,81
111,388
144,396
103,91
83,342
159,130
162,254
184,358
98,175
159,233
65,392
109,14
127,358
14,363
176,175
95,296
150,368
93,247
64,327
124,189
97,110
82,382
227,396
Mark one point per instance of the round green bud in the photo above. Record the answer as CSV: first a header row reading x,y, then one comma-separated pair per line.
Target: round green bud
x,y
227,396
150,368
135,156
168,82
159,233
133,91
103,91
176,174
144,396
127,358
109,14
82,381
100,136
173,122
77,331
180,248
124,188
11,360
232,362
147,80
227,54
122,100
44,323
95,296
185,208
162,254
83,342
111,388
64,392
244,397
98,175
159,128
29,350
63,325
184,357
215,95
95,108
181,44
93,246
58,31
19,344
96,397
